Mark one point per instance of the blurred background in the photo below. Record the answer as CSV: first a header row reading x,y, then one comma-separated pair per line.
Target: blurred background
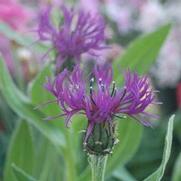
x,y
125,21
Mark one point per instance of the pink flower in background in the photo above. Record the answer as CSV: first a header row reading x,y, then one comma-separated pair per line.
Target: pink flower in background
x,y
90,5
179,95
14,14
5,51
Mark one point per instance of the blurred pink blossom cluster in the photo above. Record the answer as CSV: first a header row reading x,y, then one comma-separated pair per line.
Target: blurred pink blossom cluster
x,y
93,5
167,71
124,13
16,16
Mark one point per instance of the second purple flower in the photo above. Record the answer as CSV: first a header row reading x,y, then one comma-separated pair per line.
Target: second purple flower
x,y
80,32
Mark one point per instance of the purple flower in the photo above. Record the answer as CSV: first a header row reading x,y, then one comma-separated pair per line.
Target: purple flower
x,y
104,101
81,32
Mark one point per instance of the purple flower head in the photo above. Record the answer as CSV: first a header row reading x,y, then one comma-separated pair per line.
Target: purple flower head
x,y
81,32
103,101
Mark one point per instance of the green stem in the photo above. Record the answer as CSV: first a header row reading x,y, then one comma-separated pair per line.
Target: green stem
x,y
98,165
70,159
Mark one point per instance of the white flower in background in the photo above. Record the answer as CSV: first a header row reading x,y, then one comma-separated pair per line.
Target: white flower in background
x,y
152,15
124,13
168,69
123,19
24,54
137,3
173,10
120,14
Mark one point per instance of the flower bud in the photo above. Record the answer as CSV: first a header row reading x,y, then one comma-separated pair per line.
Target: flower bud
x,y
102,139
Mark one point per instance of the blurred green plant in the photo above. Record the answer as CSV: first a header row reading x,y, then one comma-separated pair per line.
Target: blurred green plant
x,y
19,38
177,174
158,174
21,151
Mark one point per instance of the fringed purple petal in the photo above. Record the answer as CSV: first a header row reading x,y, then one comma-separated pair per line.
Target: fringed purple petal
x,y
69,90
46,30
80,33
104,101
145,122
104,74
49,86
89,131
138,96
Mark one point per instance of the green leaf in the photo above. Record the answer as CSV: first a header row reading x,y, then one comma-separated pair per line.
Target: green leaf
x,y
36,89
158,174
20,104
21,151
21,175
177,125
49,163
123,174
176,172
141,53
13,35
129,135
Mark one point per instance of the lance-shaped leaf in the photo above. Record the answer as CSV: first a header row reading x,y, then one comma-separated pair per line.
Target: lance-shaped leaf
x,y
176,172
20,104
158,174
21,151
21,175
141,53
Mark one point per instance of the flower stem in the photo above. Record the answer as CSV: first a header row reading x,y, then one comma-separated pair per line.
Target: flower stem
x,y
70,159
98,165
